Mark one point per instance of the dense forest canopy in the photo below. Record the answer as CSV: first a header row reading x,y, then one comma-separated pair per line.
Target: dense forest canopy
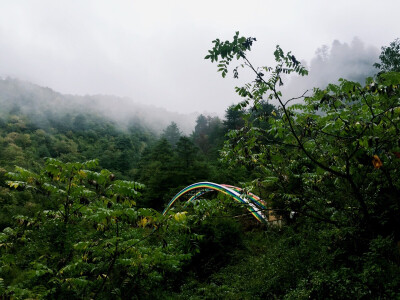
x,y
81,196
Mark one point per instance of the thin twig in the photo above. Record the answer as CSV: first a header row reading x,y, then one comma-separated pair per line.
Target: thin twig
x,y
296,98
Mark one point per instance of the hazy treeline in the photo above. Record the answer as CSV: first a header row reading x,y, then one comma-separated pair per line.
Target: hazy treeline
x,y
45,106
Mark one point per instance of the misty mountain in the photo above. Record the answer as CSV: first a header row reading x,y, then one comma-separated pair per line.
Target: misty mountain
x,y
42,105
353,61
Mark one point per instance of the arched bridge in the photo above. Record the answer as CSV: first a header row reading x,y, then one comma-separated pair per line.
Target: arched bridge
x,y
254,204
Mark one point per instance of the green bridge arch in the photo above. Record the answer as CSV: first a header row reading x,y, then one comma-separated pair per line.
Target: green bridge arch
x,y
253,203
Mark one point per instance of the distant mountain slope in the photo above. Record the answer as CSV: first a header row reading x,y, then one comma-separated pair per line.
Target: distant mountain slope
x,y
40,102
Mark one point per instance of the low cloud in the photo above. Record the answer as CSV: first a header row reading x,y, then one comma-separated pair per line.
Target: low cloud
x,y
340,60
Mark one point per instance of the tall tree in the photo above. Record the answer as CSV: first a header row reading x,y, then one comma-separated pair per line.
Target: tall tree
x,y
390,57
186,151
233,118
172,134
200,134
158,173
201,125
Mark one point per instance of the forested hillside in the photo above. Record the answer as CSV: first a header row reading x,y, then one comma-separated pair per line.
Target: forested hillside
x,y
82,194
47,108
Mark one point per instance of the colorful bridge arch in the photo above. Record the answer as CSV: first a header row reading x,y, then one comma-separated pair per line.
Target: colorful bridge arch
x,y
254,204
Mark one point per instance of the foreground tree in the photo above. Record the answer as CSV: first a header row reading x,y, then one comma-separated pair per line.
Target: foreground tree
x,y
331,162
90,241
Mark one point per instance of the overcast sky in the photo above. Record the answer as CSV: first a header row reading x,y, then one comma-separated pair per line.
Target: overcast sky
x,y
152,51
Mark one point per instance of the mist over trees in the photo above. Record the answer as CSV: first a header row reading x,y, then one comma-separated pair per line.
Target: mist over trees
x,y
353,61
46,107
